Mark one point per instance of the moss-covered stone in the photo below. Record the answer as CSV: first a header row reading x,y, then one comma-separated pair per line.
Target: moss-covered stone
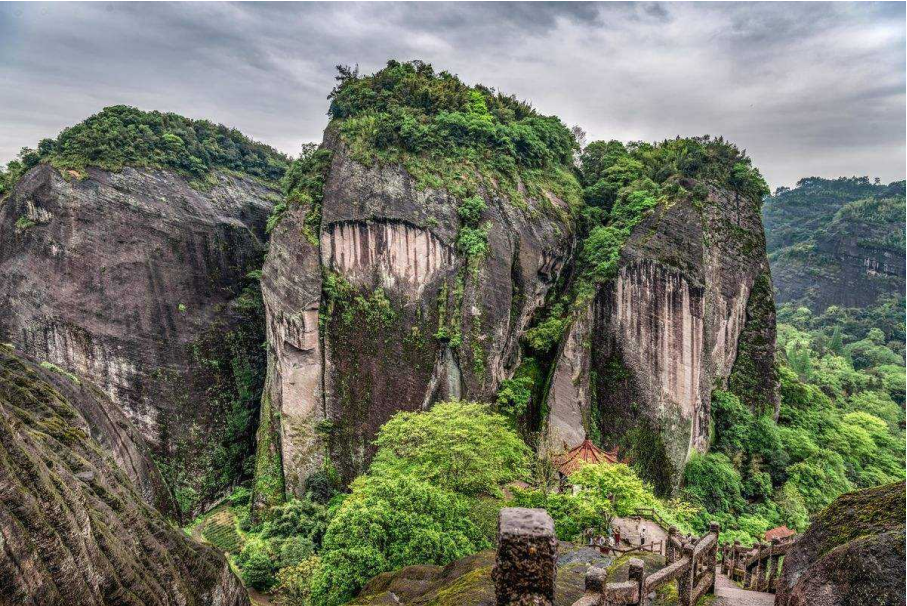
x,y
75,529
754,378
853,553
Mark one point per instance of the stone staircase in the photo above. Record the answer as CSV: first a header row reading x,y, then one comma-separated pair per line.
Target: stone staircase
x,y
727,593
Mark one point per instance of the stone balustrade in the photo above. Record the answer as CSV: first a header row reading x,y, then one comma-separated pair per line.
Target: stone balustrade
x,y
526,566
757,567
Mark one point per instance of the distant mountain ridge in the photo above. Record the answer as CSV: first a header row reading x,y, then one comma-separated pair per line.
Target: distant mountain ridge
x,y
836,241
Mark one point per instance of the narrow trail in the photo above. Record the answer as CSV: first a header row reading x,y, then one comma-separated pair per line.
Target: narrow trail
x,y
727,593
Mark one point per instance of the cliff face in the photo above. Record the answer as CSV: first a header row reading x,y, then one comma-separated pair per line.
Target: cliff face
x,y
643,356
384,313
132,280
837,242
853,553
73,526
108,426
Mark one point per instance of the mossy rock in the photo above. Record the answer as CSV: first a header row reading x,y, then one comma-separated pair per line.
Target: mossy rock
x,y
853,553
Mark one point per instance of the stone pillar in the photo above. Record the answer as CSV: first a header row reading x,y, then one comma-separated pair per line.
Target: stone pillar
x,y
772,564
760,568
526,563
748,570
715,529
670,552
735,558
687,582
636,575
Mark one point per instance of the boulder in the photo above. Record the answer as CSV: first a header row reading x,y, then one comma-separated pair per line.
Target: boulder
x,y
852,554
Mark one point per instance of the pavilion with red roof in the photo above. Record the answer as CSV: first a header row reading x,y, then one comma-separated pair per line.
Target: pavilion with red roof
x,y
587,452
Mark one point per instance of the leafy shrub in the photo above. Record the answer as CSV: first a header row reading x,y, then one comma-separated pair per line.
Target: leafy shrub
x,y
514,395
257,567
819,479
294,550
572,514
712,482
297,518
458,446
387,523
294,583
240,496
543,337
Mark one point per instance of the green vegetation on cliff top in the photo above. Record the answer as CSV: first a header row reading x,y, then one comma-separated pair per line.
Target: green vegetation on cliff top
x,y
120,136
451,135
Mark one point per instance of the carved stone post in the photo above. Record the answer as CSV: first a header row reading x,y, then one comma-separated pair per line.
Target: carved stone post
x,y
760,568
772,564
635,575
715,529
748,570
735,558
526,563
670,552
687,582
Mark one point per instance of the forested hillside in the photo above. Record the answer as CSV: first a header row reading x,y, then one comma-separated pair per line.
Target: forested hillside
x,y
836,242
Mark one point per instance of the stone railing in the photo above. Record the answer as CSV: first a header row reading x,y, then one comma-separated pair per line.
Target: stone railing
x,y
757,567
526,566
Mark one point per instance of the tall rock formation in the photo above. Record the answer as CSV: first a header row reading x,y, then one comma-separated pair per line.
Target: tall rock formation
x,y
405,270
134,280
836,242
382,313
73,527
688,309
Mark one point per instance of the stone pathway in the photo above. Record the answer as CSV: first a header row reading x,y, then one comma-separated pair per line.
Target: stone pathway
x,y
727,593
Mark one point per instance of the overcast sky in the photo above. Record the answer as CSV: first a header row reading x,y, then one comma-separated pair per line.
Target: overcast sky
x,y
806,88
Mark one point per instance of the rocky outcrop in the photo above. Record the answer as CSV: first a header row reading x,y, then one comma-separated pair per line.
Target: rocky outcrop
x,y
109,427
382,314
666,330
468,581
133,280
853,553
73,527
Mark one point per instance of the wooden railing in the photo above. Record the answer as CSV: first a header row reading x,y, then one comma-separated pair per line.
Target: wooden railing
x,y
757,567
648,512
652,547
691,565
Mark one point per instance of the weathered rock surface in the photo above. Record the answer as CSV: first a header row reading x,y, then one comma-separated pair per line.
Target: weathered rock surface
x,y
73,527
400,322
666,330
109,427
131,280
853,553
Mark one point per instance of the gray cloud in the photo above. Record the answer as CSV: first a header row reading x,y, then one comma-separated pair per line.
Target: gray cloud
x,y
806,88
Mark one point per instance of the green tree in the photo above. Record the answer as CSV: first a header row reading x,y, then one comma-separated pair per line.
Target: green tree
x,y
712,482
385,524
458,446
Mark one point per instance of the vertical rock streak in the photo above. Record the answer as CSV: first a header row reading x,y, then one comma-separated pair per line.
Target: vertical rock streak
x,y
399,255
659,323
